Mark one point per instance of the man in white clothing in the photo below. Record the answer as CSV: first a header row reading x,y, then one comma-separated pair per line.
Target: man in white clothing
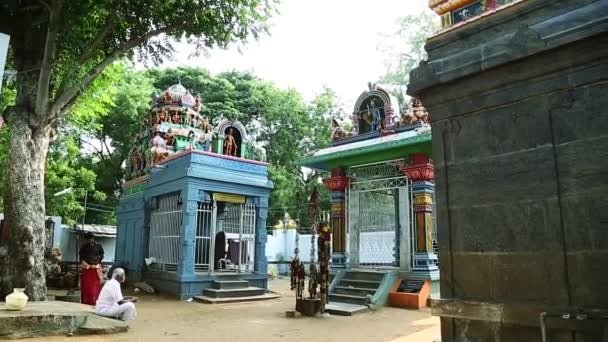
x,y
111,303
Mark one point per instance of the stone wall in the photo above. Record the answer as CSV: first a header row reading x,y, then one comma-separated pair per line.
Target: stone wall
x,y
518,104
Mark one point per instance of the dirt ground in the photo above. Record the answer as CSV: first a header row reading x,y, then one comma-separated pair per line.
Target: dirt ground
x,y
164,319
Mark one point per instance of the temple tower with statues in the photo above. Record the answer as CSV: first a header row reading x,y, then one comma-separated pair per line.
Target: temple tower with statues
x,y
380,175
192,215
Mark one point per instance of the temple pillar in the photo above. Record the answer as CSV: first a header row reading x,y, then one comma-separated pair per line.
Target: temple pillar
x,y
191,196
261,262
337,184
421,172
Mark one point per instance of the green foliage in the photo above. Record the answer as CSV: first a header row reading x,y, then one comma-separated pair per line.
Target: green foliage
x,y
404,49
65,169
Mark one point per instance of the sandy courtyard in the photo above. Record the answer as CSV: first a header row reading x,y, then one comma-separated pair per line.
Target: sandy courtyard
x,y
163,319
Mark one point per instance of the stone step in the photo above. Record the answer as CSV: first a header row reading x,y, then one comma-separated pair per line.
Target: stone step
x,y
362,275
345,309
211,300
363,284
232,293
354,291
230,284
350,299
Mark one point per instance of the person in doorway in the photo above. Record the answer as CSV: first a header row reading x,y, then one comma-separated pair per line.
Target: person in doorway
x,y
91,255
111,302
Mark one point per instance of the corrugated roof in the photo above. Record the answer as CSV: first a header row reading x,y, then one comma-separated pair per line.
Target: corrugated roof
x,y
100,230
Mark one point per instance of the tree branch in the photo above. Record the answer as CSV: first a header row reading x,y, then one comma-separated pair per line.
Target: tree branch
x,y
103,140
50,46
107,28
68,96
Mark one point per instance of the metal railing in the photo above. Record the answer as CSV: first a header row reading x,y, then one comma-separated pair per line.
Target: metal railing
x,y
205,219
165,232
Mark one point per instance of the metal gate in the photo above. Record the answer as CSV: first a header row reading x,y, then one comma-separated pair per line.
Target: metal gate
x,y
165,227
237,222
379,218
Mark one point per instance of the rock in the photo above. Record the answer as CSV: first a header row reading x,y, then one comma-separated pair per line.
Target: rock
x,y
55,319
145,287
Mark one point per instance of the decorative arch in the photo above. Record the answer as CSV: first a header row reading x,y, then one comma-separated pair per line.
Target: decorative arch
x,y
388,105
225,124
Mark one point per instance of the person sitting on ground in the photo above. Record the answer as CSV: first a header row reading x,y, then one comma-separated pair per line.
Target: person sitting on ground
x,y
111,303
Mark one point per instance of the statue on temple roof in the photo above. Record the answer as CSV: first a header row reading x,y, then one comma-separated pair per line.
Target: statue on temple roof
x,y
337,132
376,116
197,104
230,145
175,118
415,114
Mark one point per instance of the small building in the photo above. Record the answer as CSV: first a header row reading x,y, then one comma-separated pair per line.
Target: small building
x,y
382,194
193,209
70,239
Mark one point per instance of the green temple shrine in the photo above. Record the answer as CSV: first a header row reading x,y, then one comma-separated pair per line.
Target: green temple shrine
x,y
382,195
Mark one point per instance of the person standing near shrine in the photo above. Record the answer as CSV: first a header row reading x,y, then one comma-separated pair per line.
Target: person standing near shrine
x,y
91,255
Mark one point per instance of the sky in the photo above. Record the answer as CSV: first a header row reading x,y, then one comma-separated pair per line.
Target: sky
x,y
313,43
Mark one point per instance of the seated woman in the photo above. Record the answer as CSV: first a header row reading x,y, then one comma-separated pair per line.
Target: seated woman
x,y
111,303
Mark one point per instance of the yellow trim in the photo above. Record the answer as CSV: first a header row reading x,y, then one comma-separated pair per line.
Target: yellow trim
x,y
230,198
423,199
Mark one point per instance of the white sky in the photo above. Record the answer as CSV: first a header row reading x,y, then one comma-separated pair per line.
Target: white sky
x,y
314,43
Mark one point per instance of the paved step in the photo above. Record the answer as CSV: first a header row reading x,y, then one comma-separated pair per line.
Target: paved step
x,y
361,275
211,300
345,309
233,293
230,284
227,276
354,291
364,284
344,298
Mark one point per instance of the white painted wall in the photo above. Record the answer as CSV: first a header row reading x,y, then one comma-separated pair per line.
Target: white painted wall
x,y
282,242
4,40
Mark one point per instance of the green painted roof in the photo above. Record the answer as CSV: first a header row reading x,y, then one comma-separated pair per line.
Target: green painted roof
x,y
388,147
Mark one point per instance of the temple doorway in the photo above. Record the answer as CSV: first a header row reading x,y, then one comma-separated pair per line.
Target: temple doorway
x,y
378,220
225,237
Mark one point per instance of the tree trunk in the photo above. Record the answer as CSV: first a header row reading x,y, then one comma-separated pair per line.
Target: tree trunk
x,y
22,255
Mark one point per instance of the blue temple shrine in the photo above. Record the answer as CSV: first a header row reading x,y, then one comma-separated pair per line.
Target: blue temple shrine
x,y
192,215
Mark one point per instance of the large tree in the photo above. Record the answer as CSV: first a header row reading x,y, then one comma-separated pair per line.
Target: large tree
x,y
58,48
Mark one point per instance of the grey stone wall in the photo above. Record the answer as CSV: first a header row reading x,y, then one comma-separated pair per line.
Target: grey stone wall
x,y
518,104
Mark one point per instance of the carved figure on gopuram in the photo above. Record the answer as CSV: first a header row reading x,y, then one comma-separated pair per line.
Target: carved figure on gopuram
x,y
376,116
230,145
415,114
337,132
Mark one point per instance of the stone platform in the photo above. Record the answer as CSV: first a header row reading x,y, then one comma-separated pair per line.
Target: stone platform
x,y
53,318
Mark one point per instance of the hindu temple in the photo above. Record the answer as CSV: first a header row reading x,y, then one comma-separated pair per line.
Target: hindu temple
x,y
192,215
380,175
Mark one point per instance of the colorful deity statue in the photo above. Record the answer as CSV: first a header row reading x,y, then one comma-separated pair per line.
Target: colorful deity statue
x,y
158,151
175,118
337,132
197,104
376,117
167,99
161,116
170,138
417,113
230,145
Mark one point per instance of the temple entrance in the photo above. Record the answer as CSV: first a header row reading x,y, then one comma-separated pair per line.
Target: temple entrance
x,y
225,237
378,220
